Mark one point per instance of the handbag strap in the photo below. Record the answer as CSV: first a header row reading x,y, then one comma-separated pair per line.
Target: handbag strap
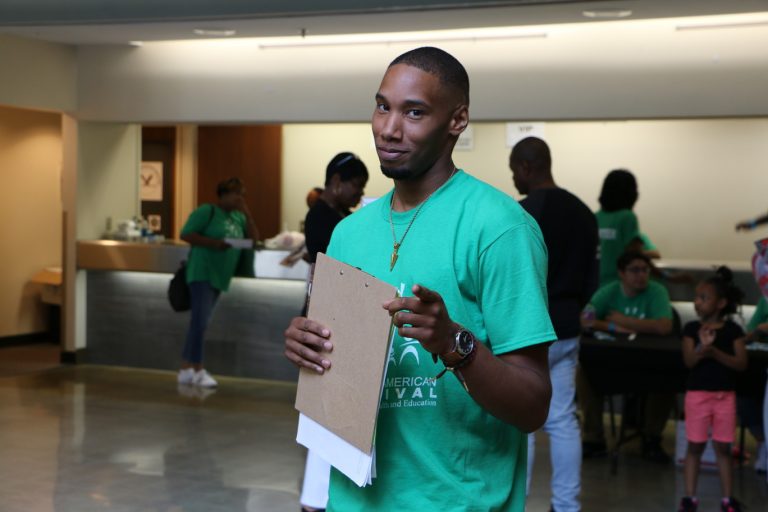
x,y
210,217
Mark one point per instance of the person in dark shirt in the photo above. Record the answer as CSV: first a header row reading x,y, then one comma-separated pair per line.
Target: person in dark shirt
x,y
345,180
714,350
570,233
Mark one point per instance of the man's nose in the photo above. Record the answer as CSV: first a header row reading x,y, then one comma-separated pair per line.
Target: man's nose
x,y
391,128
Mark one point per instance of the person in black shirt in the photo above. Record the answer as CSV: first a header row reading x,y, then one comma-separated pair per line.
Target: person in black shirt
x,y
714,350
570,233
345,179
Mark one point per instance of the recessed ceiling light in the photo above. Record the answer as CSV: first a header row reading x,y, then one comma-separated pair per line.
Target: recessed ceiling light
x,y
136,43
214,32
406,39
607,13
704,26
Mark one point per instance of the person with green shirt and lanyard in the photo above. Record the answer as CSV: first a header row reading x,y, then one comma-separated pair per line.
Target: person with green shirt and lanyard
x,y
470,264
210,267
757,329
617,224
633,304
750,408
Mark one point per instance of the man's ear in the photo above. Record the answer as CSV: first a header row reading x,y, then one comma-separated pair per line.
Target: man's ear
x,y
459,120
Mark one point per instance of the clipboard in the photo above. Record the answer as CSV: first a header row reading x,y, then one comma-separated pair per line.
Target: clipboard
x,y
345,399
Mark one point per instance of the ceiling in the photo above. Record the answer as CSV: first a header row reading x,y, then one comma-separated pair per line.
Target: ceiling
x,y
86,22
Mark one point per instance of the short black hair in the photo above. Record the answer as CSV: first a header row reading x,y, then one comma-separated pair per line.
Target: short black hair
x,y
440,63
229,186
533,151
628,257
348,166
619,191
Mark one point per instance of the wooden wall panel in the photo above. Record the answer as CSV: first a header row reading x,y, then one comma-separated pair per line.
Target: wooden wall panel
x,y
251,153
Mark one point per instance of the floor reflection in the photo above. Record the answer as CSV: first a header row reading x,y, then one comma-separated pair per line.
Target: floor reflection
x,y
89,438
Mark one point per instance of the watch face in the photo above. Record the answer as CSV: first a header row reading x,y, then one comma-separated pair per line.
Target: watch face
x,y
466,342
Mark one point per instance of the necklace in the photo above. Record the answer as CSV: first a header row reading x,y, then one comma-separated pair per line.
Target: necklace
x,y
397,245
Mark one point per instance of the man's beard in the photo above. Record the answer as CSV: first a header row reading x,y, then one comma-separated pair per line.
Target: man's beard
x,y
402,173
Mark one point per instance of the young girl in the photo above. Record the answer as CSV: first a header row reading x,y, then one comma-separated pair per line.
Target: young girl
x,y
714,350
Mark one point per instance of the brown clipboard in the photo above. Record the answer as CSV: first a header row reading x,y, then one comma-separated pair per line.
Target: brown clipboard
x,y
345,400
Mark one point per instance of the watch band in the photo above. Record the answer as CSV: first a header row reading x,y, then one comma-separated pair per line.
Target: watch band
x,y
456,367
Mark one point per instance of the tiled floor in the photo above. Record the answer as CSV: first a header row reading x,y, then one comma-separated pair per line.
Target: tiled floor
x,y
82,439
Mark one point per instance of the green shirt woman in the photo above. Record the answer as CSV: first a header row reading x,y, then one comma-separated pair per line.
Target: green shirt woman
x,y
211,264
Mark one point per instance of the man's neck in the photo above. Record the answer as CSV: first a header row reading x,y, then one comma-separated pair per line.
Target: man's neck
x,y
411,193
546,183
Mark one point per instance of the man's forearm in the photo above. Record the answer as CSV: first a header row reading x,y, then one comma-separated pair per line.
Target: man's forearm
x,y
514,391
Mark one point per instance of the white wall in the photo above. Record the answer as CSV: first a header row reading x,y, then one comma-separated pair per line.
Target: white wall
x,y
696,177
109,157
37,75
30,209
629,69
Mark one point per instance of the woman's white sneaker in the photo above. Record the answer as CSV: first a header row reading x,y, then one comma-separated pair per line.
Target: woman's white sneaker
x,y
204,380
186,377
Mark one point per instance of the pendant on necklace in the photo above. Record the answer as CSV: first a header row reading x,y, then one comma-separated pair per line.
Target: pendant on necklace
x,y
393,260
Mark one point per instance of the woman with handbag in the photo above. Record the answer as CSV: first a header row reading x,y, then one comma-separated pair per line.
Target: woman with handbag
x,y
211,264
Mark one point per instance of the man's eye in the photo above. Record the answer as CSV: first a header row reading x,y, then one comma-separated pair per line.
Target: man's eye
x,y
415,113
381,107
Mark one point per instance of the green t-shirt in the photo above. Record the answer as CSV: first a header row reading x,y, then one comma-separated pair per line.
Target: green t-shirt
x,y
616,229
760,315
436,448
651,304
214,265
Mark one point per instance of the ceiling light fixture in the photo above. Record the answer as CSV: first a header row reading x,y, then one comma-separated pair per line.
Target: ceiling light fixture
x,y
607,14
305,42
214,32
136,43
707,26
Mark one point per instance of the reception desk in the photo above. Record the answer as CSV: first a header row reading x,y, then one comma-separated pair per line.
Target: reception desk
x,y
130,323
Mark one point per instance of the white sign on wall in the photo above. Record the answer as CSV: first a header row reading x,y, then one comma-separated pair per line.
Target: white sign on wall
x,y
151,181
518,131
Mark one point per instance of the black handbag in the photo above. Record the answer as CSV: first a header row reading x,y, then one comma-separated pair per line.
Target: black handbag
x,y
178,290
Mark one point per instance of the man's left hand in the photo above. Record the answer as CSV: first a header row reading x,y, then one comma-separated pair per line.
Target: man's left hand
x,y
424,317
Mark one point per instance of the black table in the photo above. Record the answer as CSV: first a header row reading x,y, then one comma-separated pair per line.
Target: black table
x,y
621,364
650,363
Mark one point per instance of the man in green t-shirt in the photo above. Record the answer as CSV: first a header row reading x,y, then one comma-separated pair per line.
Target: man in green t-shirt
x,y
471,268
633,304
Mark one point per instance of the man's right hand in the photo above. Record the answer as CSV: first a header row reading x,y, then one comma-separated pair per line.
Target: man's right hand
x,y
306,342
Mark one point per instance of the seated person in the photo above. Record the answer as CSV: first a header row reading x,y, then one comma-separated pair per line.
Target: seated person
x,y
757,329
633,304
751,407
